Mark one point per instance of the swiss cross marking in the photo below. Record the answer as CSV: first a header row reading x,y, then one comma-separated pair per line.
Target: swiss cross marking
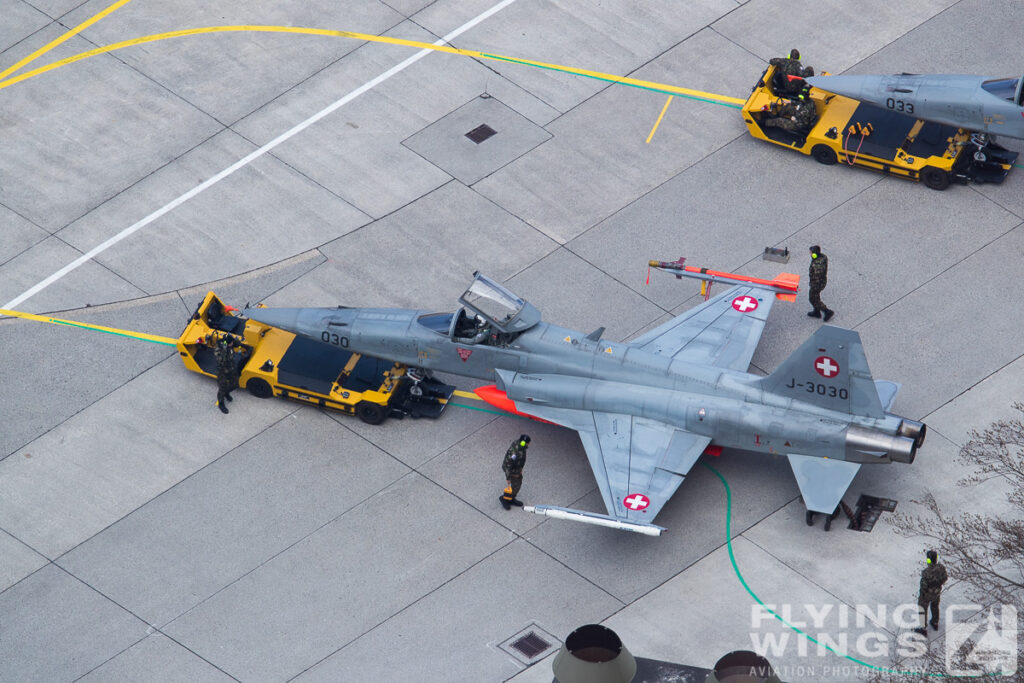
x,y
636,501
744,304
826,367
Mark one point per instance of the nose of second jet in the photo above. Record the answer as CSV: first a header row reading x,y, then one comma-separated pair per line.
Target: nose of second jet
x,y
311,322
283,318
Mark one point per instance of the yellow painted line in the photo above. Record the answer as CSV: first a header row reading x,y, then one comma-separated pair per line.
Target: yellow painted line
x,y
466,394
660,117
96,328
611,78
73,32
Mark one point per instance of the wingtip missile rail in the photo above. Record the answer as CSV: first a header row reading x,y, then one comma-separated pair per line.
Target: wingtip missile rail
x,y
785,285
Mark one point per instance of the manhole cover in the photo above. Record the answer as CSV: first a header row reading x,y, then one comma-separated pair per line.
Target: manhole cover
x,y
481,133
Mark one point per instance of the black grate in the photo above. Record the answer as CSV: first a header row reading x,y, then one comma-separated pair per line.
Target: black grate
x,y
869,509
481,133
531,645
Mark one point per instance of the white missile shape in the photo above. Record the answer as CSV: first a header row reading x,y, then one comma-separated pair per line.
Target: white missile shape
x,y
593,518
977,103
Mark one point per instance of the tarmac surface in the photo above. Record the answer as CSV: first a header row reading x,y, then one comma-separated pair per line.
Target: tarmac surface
x,y
146,536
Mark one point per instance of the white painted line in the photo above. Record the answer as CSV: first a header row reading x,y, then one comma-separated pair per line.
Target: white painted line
x,y
100,248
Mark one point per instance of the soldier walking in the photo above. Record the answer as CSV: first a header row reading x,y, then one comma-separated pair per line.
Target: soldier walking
x,y
515,460
932,578
227,372
819,278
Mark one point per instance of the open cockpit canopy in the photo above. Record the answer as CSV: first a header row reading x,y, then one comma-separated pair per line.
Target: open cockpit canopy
x,y
504,310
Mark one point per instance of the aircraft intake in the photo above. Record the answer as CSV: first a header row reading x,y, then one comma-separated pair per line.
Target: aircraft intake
x,y
869,445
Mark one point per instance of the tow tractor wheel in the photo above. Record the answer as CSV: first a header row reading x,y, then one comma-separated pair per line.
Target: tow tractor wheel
x,y
415,389
259,388
824,154
935,178
370,413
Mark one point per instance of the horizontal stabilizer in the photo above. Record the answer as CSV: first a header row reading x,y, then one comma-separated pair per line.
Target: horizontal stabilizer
x,y
594,518
823,481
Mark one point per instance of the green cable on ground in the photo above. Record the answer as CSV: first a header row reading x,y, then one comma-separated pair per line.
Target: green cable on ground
x,y
118,333
488,410
609,80
739,575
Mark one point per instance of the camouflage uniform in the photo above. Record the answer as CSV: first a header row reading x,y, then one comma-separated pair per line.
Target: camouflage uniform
x,y
786,67
818,276
932,578
227,372
515,460
792,116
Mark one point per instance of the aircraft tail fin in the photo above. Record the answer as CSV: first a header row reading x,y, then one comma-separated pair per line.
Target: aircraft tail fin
x,y
828,370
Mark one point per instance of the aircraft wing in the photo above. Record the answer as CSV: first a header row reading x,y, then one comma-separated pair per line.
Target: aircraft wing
x,y
722,332
638,463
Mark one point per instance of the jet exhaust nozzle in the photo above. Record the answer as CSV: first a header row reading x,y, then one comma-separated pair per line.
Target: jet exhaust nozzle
x,y
593,654
869,445
914,430
743,666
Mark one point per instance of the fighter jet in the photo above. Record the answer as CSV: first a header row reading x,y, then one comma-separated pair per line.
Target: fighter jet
x,y
646,410
976,103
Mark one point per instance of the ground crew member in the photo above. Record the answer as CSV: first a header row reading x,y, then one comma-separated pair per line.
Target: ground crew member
x,y
932,578
787,67
227,371
796,116
515,460
819,278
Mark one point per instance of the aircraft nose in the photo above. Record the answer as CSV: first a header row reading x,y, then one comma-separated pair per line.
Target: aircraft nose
x,y
283,318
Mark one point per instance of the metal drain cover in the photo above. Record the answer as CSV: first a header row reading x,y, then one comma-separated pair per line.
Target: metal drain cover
x,y
481,133
530,644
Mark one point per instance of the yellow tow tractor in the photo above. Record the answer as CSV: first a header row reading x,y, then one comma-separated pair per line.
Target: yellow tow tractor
x,y
273,362
861,134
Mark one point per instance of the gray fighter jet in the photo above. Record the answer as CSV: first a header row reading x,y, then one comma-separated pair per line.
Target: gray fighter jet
x,y
976,103
646,410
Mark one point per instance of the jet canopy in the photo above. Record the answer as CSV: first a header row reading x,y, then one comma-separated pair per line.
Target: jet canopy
x,y
501,308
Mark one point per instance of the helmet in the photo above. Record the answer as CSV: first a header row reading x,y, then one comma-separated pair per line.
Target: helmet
x,y
932,556
815,251
794,53
524,439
